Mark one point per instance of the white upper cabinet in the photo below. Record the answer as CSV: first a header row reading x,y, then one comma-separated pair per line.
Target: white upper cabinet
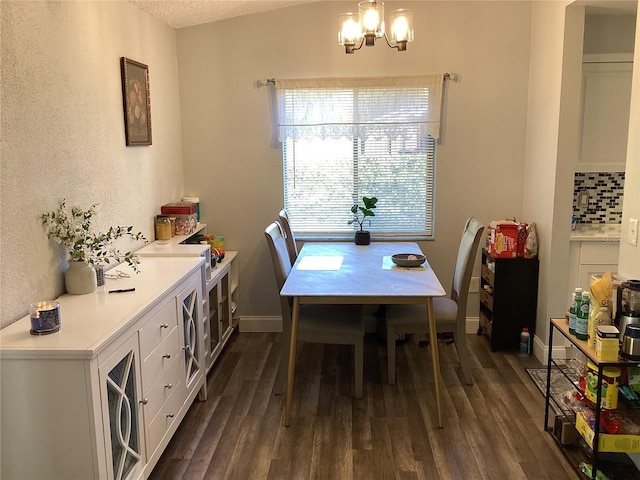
x,y
606,96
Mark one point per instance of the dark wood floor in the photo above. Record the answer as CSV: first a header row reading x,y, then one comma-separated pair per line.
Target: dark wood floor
x,y
493,429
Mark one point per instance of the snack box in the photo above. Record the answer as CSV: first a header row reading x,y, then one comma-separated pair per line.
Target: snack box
x,y
607,343
607,442
502,239
179,208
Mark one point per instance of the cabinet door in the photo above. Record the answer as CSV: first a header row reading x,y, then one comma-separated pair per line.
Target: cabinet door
x,y
120,387
226,322
190,313
606,96
214,323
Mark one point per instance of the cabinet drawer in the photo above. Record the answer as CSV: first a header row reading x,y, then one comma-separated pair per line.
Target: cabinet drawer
x,y
166,416
599,253
487,274
169,381
486,298
485,322
158,328
160,359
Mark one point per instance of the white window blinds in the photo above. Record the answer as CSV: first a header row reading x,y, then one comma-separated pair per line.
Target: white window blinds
x,y
346,138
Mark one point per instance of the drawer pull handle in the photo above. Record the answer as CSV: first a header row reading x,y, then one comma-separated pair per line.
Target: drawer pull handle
x,y
166,355
168,386
144,401
170,415
164,325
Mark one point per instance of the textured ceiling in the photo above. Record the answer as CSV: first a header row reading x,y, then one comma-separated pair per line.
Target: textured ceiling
x,y
186,13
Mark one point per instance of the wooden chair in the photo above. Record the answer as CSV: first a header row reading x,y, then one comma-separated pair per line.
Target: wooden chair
x,y
450,312
292,248
333,324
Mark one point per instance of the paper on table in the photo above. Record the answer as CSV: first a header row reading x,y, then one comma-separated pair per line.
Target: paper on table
x,y
387,264
320,263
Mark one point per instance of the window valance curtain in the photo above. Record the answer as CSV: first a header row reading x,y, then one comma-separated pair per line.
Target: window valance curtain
x,y
359,107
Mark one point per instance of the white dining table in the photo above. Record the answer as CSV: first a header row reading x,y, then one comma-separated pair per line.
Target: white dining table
x,y
346,273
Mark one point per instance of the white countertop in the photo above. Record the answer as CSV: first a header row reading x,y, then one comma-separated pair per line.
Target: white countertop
x,y
89,321
596,232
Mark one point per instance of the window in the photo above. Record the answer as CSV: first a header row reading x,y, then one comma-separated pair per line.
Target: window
x,y
343,139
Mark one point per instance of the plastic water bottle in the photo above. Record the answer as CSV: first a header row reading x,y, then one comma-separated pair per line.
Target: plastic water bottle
x,y
525,342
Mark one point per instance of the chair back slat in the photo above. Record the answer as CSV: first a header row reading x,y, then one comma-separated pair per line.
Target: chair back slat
x,y
288,235
464,264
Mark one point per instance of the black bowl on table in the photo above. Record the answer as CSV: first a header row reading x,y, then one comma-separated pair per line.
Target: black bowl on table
x,y
408,259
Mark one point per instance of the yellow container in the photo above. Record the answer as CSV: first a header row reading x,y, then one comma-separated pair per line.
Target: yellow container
x,y
609,385
607,343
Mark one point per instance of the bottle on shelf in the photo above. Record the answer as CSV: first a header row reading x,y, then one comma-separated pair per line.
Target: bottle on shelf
x,y
525,342
576,308
582,318
603,317
572,314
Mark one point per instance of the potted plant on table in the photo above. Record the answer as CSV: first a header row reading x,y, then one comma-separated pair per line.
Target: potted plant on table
x,y
86,249
361,213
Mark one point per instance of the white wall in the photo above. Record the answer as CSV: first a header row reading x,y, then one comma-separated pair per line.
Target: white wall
x,y
629,262
229,158
62,132
548,184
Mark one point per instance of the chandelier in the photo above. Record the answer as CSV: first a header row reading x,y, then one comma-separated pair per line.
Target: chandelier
x,y
368,25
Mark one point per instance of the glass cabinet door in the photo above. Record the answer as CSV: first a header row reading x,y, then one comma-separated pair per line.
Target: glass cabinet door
x,y
225,306
120,390
189,304
214,319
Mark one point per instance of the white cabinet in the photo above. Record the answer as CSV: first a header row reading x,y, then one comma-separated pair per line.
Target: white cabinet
x,y
606,97
102,397
220,292
591,257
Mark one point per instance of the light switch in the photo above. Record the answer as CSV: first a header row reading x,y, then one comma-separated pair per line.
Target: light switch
x,y
583,199
632,238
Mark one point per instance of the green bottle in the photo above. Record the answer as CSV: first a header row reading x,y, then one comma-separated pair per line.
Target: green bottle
x,y
582,318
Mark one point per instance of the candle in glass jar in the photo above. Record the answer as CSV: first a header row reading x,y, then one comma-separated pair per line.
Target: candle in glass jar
x,y
45,317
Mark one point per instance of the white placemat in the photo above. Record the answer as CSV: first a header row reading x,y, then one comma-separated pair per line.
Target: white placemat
x,y
320,263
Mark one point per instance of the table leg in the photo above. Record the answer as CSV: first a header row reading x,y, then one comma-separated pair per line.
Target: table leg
x,y
292,358
435,359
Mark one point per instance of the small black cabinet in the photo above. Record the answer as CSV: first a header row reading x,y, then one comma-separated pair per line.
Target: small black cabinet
x,y
508,299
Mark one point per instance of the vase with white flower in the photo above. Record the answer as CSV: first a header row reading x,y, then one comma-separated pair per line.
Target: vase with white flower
x,y
86,249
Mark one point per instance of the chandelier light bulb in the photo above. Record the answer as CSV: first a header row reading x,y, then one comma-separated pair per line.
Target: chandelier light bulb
x,y
400,29
350,30
371,20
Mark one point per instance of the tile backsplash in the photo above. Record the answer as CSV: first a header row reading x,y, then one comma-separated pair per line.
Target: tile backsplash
x,y
605,190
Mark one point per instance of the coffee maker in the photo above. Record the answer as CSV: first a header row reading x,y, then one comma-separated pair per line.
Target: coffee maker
x,y
628,305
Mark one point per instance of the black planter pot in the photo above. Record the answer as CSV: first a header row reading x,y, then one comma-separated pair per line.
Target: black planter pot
x,y
363,237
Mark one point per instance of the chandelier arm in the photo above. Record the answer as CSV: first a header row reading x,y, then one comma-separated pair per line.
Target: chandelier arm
x,y
389,44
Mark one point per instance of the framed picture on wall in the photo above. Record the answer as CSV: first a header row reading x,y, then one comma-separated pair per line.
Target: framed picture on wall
x,y
136,102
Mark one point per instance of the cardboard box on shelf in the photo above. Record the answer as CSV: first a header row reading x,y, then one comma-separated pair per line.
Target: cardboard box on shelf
x,y
607,442
506,239
179,208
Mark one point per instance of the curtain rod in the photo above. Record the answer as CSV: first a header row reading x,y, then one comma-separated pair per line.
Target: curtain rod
x,y
446,76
